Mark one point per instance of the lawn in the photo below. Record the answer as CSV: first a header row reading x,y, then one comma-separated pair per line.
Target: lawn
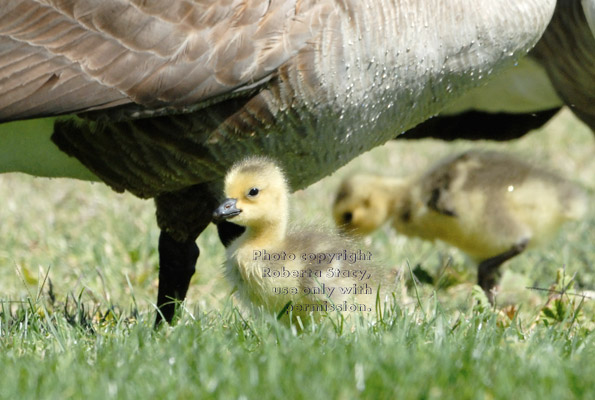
x,y
78,281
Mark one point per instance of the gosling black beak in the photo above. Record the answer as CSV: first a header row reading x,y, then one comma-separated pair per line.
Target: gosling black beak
x,y
226,210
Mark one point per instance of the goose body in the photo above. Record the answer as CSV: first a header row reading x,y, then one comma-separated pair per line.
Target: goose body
x,y
170,95
489,204
304,271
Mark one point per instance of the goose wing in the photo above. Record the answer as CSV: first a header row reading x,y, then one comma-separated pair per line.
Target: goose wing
x,y
65,56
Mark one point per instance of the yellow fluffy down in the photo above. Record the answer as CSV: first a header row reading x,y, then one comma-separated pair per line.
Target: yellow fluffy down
x,y
482,202
291,271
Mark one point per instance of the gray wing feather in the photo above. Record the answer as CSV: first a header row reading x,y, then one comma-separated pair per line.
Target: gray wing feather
x,y
75,55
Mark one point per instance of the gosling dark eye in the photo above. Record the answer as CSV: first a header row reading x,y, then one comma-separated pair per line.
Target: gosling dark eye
x,y
253,192
347,217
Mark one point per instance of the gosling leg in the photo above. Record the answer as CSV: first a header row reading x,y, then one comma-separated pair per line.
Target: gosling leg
x,y
488,271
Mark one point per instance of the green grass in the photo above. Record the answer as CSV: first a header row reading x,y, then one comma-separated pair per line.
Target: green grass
x,y
89,334
224,355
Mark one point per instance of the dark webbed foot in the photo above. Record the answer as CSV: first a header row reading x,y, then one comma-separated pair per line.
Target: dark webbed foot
x,y
488,271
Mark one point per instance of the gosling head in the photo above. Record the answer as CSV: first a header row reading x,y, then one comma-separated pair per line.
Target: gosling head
x,y
362,204
257,195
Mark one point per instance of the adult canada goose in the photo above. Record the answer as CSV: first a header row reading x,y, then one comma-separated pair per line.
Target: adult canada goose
x,y
489,204
169,94
275,266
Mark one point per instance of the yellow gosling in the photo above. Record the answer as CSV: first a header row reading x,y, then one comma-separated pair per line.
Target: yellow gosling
x,y
298,272
490,205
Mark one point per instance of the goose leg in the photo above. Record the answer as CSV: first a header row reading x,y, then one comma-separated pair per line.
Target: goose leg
x,y
228,232
181,216
477,125
488,272
177,263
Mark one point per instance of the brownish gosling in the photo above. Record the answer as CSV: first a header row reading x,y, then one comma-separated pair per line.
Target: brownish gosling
x,y
489,204
285,270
